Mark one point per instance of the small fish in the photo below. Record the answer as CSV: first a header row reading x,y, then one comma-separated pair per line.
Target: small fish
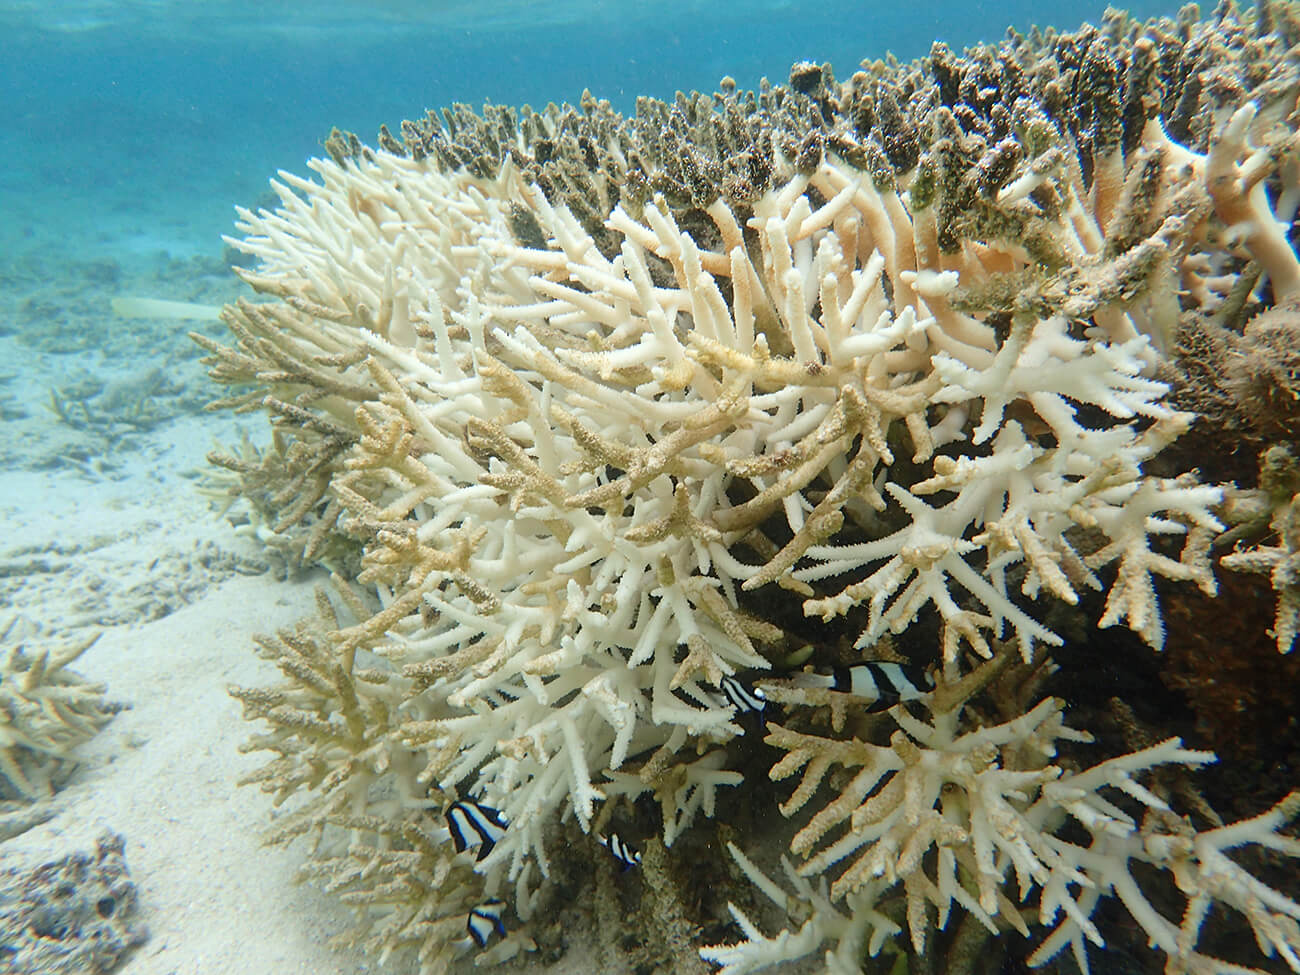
x,y
474,824
627,856
485,920
745,698
882,682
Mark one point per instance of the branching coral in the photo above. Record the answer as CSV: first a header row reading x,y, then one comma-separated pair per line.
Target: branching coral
x,y
949,816
45,712
334,732
1278,501
614,409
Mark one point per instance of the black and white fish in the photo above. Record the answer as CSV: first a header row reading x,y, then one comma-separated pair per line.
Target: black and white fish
x,y
882,682
627,856
474,824
485,921
745,698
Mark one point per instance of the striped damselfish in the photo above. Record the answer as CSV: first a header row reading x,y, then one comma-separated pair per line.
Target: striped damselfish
x,y
474,824
882,682
744,698
485,921
627,856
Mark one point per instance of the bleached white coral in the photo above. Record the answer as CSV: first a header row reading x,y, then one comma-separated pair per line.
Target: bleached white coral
x,y
951,818
1281,563
551,441
609,431
854,931
582,428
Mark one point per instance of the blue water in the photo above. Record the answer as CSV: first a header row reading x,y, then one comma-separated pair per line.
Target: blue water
x,y
150,119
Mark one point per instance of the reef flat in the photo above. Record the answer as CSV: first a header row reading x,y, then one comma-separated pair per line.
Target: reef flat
x,y
891,433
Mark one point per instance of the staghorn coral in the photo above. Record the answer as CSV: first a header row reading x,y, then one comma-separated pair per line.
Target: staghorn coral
x,y
46,710
616,408
949,814
335,731
1278,502
276,494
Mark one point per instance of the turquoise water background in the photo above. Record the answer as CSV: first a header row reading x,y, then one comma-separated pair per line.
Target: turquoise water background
x,y
139,122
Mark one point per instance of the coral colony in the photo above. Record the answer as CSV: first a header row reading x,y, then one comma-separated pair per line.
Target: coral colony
x,y
46,711
813,433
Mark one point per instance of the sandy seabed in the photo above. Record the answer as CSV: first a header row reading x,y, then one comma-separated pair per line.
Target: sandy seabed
x,y
163,772
104,528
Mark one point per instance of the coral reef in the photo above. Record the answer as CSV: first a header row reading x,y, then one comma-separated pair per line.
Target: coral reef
x,y
71,916
46,710
589,415
949,814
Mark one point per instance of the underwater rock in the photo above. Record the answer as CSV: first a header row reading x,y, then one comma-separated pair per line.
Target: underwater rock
x,y
75,915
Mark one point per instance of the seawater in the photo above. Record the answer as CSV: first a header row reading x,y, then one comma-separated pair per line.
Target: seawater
x,y
148,120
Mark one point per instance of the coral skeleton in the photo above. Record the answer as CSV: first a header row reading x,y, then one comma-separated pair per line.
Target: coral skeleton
x,y
587,414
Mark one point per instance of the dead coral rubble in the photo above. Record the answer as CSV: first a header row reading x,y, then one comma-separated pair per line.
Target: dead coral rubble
x,y
73,916
589,414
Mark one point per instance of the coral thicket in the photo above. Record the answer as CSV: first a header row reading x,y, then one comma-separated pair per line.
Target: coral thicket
x,y
589,415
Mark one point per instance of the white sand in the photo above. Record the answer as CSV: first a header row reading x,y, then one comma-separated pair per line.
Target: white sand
x,y
163,772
